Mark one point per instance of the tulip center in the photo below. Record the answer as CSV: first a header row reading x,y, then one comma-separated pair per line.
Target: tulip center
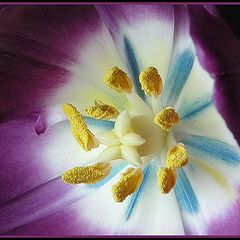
x,y
138,136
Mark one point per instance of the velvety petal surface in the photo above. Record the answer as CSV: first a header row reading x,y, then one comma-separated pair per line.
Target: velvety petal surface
x,y
29,160
41,201
212,173
51,55
34,50
128,217
219,52
228,222
143,34
182,58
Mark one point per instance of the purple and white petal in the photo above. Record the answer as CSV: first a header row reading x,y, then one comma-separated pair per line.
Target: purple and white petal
x,y
143,34
29,160
212,174
38,203
102,215
226,223
200,205
219,52
51,55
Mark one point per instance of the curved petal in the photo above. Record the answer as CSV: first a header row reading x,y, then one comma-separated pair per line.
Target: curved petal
x,y
226,223
34,53
217,154
115,218
196,94
212,172
51,55
46,200
202,189
38,203
206,122
182,60
144,35
210,148
218,51
29,160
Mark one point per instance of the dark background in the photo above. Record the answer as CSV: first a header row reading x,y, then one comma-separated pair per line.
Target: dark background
x,y
231,14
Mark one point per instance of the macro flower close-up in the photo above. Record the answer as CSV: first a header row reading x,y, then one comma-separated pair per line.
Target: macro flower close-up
x,y
118,119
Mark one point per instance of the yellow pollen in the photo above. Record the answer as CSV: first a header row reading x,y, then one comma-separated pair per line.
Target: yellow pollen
x,y
118,80
88,175
128,184
166,179
102,111
151,81
167,118
80,131
177,156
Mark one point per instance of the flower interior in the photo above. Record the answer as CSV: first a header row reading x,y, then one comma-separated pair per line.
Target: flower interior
x,y
138,136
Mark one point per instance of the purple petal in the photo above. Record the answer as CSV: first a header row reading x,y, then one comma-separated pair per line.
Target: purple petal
x,y
37,46
29,160
44,200
48,210
219,52
116,15
227,223
98,213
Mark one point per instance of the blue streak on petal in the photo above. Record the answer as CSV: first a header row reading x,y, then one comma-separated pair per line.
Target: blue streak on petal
x,y
104,124
115,170
203,148
187,111
185,195
134,198
133,67
177,76
149,176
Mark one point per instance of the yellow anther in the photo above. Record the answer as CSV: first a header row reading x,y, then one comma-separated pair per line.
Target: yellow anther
x,y
151,81
177,156
167,118
128,184
118,80
88,175
166,179
80,131
102,111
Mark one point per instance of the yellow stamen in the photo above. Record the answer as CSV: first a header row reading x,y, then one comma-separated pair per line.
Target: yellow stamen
x,y
128,184
102,111
167,118
166,179
151,81
88,175
80,131
118,80
177,156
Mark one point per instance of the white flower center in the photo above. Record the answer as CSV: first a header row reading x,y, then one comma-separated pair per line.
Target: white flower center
x,y
139,135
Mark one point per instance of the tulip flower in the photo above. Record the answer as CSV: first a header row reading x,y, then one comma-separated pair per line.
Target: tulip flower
x,y
108,125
